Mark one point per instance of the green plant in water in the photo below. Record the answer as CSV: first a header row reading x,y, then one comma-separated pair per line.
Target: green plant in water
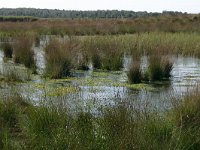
x,y
167,67
135,74
7,49
155,69
58,56
112,61
23,52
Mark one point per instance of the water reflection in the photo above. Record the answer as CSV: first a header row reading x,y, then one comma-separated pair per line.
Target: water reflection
x,y
98,89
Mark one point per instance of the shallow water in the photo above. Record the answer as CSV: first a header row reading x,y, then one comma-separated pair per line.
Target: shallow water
x,y
94,90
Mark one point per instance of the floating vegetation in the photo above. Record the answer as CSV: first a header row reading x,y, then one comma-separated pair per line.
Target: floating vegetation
x,y
60,91
134,86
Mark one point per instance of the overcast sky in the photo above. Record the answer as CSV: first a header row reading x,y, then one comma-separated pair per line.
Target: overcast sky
x,y
192,6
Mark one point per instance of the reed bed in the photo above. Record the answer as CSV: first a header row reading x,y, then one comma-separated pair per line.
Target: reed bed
x,y
158,43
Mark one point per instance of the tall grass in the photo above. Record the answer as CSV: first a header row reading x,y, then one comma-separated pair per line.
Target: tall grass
x,y
172,24
159,68
105,52
23,52
118,127
58,57
155,69
7,49
135,73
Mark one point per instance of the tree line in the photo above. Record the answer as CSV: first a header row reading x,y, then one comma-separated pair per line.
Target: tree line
x,y
72,14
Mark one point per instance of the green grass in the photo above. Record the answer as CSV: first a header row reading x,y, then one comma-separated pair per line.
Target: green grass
x,y
135,74
7,49
23,52
58,57
24,126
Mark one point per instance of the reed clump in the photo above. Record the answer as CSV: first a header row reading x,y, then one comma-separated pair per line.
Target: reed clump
x,y
105,52
58,58
23,52
159,68
7,49
135,74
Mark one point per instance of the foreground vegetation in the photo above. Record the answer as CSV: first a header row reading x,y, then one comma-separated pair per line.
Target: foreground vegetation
x,y
24,126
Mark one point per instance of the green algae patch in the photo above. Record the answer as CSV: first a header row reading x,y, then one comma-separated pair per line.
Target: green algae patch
x,y
95,82
105,73
60,91
134,86
69,79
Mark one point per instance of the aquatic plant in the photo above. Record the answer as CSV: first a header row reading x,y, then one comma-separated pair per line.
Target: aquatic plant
x,y
7,49
167,67
155,70
58,56
50,126
96,61
23,52
135,74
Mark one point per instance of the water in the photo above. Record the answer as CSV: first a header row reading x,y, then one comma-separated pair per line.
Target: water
x,y
94,90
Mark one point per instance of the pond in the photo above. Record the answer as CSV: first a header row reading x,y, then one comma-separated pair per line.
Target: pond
x,y
93,90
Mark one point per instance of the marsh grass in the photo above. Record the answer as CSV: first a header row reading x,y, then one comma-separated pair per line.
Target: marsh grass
x,y
105,52
7,49
159,68
23,52
16,74
167,67
117,127
58,57
135,74
155,69
112,60
164,23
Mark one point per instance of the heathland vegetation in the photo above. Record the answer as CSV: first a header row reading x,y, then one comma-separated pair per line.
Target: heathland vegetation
x,y
98,45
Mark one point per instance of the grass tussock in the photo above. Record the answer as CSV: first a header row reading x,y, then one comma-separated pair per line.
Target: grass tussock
x,y
58,57
23,52
105,52
24,126
159,68
7,49
135,74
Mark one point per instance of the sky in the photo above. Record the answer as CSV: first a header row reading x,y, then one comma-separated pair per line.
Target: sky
x,y
190,6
